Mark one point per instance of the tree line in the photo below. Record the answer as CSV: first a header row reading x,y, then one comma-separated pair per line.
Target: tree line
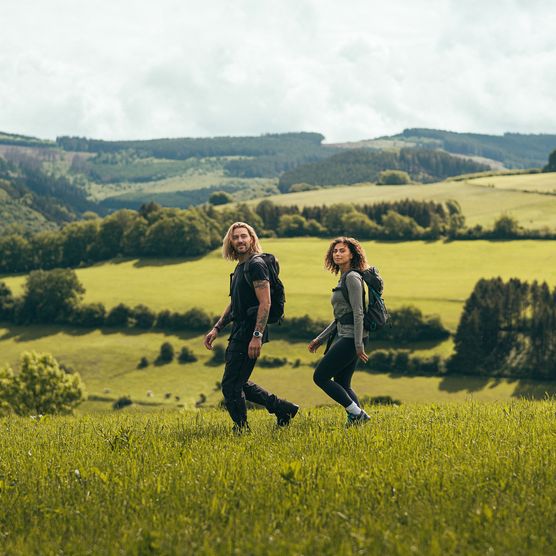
x,y
365,165
153,231
56,297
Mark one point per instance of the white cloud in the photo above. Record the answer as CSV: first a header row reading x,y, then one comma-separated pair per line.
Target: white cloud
x,y
353,70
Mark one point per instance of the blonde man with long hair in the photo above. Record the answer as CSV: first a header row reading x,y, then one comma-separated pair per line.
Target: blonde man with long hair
x,y
249,310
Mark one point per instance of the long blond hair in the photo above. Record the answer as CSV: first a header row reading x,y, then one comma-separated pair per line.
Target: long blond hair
x,y
228,251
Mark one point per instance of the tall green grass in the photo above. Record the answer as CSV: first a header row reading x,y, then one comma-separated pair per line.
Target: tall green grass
x,y
420,479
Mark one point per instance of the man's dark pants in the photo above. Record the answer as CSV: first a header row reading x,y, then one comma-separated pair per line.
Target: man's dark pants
x,y
237,387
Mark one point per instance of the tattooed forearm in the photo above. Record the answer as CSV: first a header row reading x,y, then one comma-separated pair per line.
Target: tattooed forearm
x,y
262,318
225,318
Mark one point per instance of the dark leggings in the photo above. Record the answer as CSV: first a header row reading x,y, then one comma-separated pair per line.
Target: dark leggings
x,y
333,373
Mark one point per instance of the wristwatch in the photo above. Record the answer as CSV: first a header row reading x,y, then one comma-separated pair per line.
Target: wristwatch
x,y
257,334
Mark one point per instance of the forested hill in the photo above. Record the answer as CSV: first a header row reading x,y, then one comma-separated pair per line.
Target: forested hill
x,y
263,156
513,150
362,165
33,199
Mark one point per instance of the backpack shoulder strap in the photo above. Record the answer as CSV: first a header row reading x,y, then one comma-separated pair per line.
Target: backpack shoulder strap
x,y
343,286
246,266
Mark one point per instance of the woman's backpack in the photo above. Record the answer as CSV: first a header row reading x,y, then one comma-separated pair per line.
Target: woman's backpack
x,y
375,314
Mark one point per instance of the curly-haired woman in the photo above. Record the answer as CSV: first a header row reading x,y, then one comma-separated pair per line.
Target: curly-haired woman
x,y
335,370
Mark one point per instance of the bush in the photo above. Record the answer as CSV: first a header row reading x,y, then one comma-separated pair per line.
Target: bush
x,y
91,315
266,361
186,355
143,362
41,387
218,355
379,400
144,318
393,177
119,316
220,198
166,354
122,402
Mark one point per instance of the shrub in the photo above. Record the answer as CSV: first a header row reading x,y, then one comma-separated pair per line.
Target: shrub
x,y
220,198
143,362
186,355
122,402
41,387
393,177
119,316
166,354
379,400
266,361
218,355
90,315
143,316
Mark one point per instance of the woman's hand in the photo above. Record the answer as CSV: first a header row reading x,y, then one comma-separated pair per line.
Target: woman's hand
x,y
362,355
314,345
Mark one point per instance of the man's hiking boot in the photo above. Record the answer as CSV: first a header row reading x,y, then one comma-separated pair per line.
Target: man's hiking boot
x,y
286,413
239,430
357,419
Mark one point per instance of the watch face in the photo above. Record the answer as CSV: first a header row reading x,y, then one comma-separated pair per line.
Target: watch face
x,y
257,334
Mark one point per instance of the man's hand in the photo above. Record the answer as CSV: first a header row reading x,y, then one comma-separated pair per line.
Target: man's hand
x,y
362,355
210,337
314,345
254,349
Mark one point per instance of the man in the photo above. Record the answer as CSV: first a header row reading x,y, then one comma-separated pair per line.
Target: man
x,y
249,310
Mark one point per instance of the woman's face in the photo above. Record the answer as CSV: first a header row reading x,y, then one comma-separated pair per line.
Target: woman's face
x,y
341,254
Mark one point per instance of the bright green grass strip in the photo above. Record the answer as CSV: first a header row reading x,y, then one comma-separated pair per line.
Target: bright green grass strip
x,y
431,479
437,277
480,204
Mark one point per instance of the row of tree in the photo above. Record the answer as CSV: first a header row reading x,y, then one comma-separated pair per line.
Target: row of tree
x,y
55,297
165,232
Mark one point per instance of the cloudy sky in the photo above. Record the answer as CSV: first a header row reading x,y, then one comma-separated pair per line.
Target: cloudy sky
x,y
352,70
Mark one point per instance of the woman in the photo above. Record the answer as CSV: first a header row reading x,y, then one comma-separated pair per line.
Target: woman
x,y
333,373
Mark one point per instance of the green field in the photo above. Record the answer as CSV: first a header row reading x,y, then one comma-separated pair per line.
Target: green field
x,y
437,277
107,362
434,479
482,199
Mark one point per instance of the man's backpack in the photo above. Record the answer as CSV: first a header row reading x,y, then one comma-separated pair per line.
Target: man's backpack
x,y
277,292
375,314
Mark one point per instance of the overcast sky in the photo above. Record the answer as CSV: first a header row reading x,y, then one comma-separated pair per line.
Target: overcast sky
x,y
351,70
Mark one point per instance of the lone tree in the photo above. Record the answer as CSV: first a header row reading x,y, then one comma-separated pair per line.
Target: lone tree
x,y
393,177
40,387
551,166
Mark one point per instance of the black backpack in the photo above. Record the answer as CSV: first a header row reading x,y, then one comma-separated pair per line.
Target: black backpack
x,y
277,292
375,312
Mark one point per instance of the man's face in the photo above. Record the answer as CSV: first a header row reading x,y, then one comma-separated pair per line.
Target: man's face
x,y
241,241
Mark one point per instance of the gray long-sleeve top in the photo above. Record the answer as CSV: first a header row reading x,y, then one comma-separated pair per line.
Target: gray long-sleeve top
x,y
341,307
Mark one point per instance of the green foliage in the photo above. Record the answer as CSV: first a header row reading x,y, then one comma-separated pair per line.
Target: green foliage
x,y
220,198
514,150
393,177
551,166
186,355
166,354
506,227
6,303
218,355
41,387
507,329
50,296
365,165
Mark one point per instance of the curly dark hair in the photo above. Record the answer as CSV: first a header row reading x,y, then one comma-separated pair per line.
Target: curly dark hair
x,y
359,261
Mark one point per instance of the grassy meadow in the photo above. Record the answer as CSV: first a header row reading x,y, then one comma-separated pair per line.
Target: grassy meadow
x,y
482,200
471,478
436,277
